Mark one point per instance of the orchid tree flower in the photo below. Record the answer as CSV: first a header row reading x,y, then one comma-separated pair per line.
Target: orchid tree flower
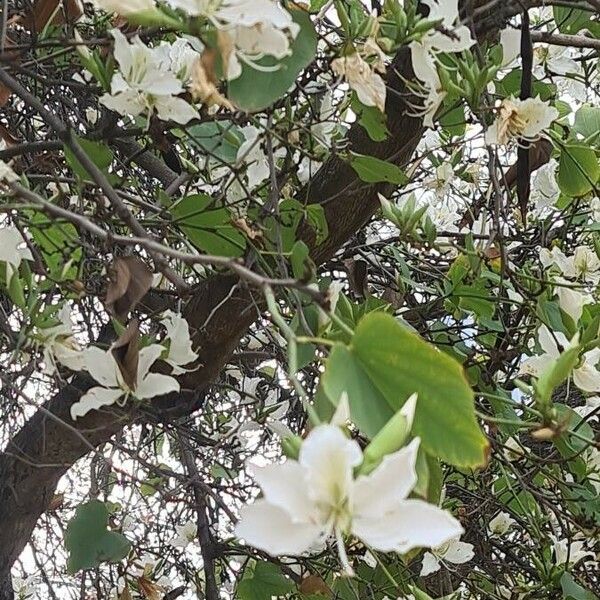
x,y
248,30
570,300
307,500
453,551
60,345
7,175
571,552
115,383
583,264
362,78
520,119
142,83
585,376
435,41
13,249
180,345
501,523
186,534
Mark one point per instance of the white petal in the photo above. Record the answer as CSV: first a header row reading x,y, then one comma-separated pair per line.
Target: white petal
x,y
94,399
101,366
71,358
510,40
147,357
391,482
414,524
587,378
284,485
129,102
329,457
155,384
171,108
547,341
429,565
458,552
271,529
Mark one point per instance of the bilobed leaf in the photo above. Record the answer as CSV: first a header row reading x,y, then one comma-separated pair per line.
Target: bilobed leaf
x,y
220,139
100,154
384,365
208,226
265,582
587,121
375,170
578,170
255,90
88,541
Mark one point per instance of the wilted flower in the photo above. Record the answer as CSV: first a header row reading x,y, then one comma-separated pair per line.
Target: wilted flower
x,y
60,346
520,119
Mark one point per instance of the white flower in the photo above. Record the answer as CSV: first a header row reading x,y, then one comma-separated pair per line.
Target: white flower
x,y
307,500
570,300
23,587
510,40
582,264
592,405
60,346
513,450
585,375
556,59
362,78
12,247
544,187
440,181
453,551
595,210
572,552
103,367
252,154
186,534
7,175
144,82
501,523
248,29
125,7
524,119
180,344
423,53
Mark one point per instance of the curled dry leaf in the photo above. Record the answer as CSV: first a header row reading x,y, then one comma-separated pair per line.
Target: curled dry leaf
x,y
129,281
248,229
314,585
149,589
126,352
204,81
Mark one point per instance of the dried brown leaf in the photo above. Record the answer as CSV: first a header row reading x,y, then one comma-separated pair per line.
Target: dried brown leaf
x,y
129,281
126,351
313,584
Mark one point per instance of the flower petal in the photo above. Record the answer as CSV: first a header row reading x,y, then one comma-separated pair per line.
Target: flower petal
x,y
393,480
284,485
269,528
155,384
429,565
414,524
101,366
329,457
94,399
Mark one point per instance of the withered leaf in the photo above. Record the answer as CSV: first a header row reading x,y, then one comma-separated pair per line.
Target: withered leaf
x,y
313,585
129,281
126,351
358,273
149,589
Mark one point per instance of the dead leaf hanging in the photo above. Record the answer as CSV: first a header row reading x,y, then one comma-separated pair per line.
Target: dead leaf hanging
x,y
126,351
129,281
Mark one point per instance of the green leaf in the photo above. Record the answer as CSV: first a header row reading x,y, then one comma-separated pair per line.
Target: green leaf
x,y
453,120
207,226
556,373
371,119
573,591
88,541
220,139
100,154
384,365
578,170
570,20
265,582
256,90
587,121
374,170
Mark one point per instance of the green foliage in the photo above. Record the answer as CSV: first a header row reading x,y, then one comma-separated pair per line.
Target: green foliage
x,y
88,541
208,226
256,90
264,582
384,365
578,170
374,170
